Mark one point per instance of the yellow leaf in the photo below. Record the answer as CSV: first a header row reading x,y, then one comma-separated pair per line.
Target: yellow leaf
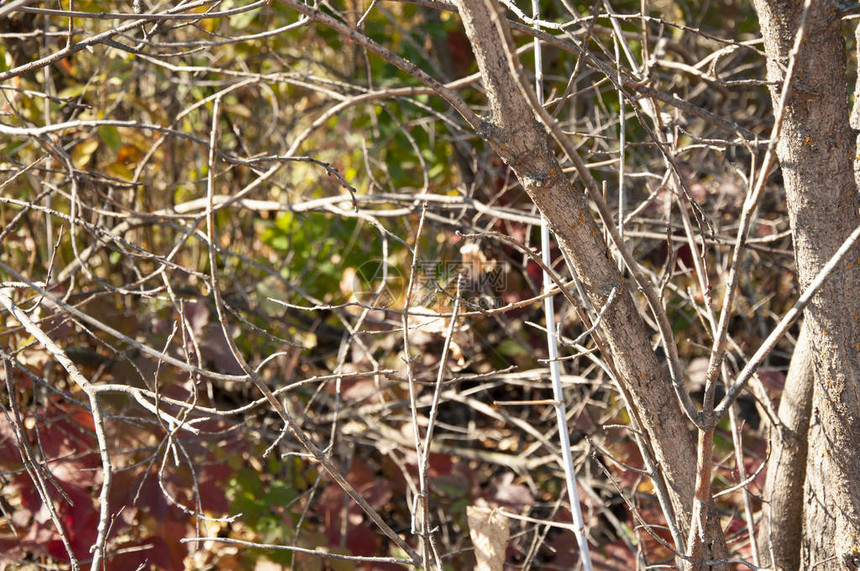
x,y
83,152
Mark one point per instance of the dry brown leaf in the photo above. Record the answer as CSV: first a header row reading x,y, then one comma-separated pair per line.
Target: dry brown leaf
x,y
489,530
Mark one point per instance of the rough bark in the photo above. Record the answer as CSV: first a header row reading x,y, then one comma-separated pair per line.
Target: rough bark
x,y
525,146
855,112
817,153
780,532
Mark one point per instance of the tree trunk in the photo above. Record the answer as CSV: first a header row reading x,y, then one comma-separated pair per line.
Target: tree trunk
x,y
781,530
524,144
817,153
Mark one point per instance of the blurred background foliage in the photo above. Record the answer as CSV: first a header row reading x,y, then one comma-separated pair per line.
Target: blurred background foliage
x,y
330,218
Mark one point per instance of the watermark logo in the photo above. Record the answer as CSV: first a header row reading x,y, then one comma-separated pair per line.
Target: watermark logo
x,y
379,284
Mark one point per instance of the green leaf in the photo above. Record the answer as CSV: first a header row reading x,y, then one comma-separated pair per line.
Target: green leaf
x,y
510,348
111,137
243,20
